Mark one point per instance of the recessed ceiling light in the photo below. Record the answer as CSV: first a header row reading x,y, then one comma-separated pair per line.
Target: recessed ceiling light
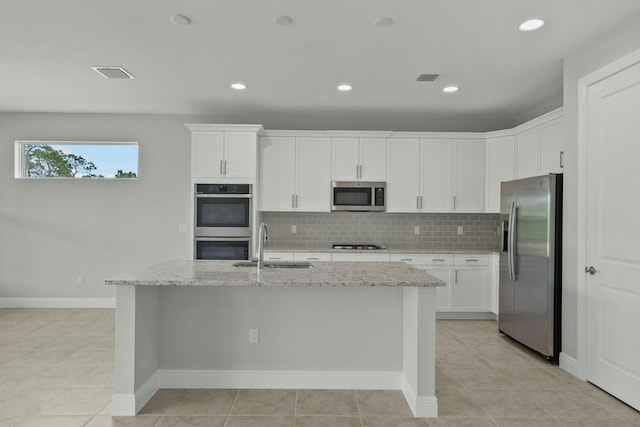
x,y
180,20
239,86
344,87
531,24
282,20
113,72
450,89
383,22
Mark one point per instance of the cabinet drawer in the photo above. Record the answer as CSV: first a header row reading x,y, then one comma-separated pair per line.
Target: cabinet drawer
x,y
423,259
278,256
312,256
471,259
384,257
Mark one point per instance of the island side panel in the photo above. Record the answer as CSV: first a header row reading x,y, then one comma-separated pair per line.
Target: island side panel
x,y
137,340
419,332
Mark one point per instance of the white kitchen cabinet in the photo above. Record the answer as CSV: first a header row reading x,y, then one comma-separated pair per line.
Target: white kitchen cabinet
x,y
500,167
223,156
312,256
359,159
419,175
295,174
403,182
468,191
471,283
278,256
540,150
436,181
551,147
360,256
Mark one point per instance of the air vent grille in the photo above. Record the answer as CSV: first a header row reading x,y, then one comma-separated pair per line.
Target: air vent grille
x,y
113,72
427,77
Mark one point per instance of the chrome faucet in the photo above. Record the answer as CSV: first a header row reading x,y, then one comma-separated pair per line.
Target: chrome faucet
x,y
262,238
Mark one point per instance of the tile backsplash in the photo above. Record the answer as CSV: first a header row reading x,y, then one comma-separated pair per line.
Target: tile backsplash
x,y
394,230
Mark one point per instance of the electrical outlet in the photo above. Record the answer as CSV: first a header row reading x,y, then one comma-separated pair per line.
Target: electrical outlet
x,y
80,279
460,230
416,230
254,336
182,228
294,229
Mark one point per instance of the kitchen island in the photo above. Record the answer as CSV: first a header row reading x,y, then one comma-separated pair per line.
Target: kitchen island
x,y
335,325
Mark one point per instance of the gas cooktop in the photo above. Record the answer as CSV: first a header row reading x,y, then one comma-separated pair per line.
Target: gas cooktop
x,y
359,246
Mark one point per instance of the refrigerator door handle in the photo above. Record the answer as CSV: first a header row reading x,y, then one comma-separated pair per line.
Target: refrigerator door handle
x,y
512,241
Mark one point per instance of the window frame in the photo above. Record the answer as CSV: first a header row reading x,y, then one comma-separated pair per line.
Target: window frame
x,y
20,159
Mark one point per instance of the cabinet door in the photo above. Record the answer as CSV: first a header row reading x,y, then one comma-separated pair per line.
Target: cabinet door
x,y
345,159
240,155
444,298
500,167
551,147
277,173
313,170
469,176
403,183
206,154
373,159
435,176
471,289
527,154
360,256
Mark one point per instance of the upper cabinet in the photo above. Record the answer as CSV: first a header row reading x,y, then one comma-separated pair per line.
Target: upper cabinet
x,y
532,149
540,150
500,167
435,175
224,152
359,159
295,173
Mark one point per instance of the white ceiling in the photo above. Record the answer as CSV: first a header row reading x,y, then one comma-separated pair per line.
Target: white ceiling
x,y
505,76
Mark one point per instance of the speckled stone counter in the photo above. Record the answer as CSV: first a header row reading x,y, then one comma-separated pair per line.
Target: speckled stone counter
x,y
336,325
222,273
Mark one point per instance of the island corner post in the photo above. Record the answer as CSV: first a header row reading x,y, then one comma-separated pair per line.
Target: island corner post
x,y
399,319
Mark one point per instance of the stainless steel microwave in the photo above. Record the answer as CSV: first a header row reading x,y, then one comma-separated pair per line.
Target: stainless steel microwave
x,y
358,196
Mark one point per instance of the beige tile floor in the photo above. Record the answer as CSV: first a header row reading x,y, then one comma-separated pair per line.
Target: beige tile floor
x,y
56,370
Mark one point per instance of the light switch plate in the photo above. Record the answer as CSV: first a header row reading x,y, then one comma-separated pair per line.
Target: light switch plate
x,y
416,230
460,230
294,229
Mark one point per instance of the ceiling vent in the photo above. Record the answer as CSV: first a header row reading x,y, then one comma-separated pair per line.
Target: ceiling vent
x,y
113,72
427,77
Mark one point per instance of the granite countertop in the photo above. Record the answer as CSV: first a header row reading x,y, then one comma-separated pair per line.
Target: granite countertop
x,y
221,273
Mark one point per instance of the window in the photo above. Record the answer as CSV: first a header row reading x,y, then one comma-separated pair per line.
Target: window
x,y
86,159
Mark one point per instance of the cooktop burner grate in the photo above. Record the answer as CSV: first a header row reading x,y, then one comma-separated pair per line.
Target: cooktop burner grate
x,y
359,246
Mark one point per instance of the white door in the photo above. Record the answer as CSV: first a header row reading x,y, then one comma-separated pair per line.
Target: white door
x,y
346,159
240,155
500,167
373,159
527,154
207,154
469,176
551,147
612,243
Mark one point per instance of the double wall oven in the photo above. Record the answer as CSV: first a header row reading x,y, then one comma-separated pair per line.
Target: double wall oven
x,y
222,227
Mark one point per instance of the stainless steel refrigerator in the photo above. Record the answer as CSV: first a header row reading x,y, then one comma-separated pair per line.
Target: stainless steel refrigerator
x,y
531,263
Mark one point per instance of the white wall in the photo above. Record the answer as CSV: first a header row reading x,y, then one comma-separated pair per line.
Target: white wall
x,y
53,230
607,48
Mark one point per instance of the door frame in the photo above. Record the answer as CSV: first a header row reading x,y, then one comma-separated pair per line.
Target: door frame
x,y
584,84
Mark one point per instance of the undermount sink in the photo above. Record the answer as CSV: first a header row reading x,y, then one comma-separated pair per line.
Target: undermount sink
x,y
278,264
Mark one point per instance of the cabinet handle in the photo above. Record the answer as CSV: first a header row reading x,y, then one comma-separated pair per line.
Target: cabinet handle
x,y
562,159
418,202
312,259
221,173
471,260
455,276
225,167
406,259
437,260
273,257
293,201
454,203
297,203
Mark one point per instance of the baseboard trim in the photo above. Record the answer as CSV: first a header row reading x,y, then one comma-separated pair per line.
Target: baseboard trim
x,y
57,302
570,365
363,380
456,315
128,405
421,406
